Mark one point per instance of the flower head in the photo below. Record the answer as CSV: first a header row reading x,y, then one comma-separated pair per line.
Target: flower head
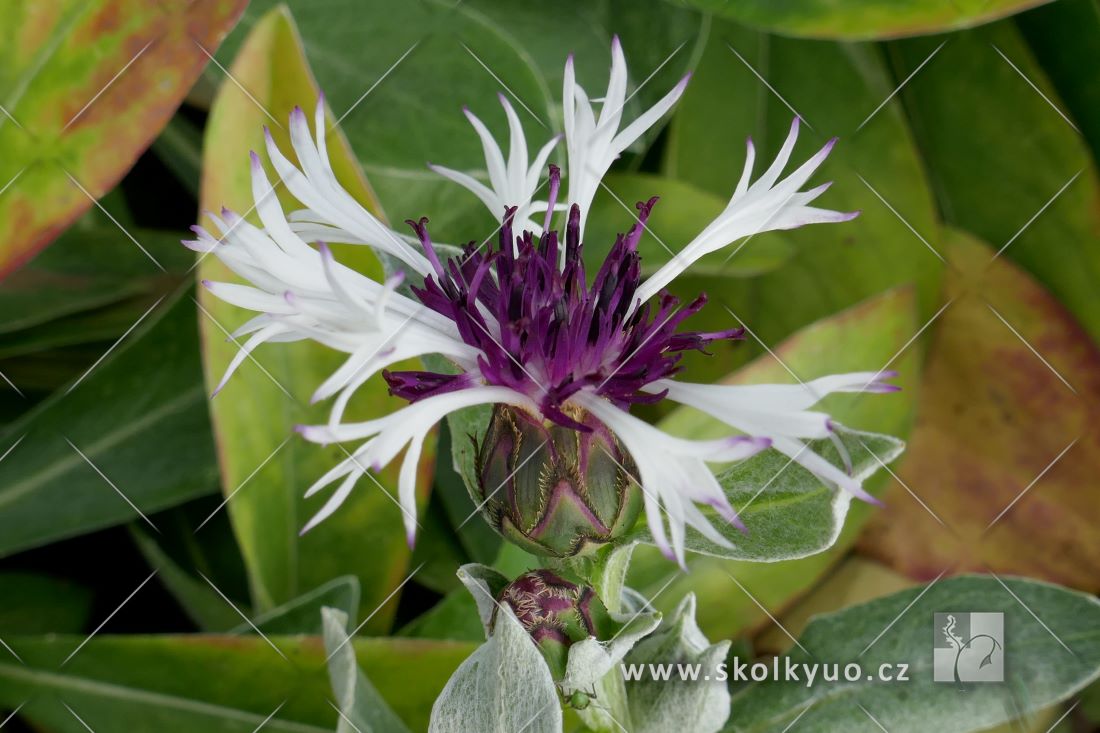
x,y
529,331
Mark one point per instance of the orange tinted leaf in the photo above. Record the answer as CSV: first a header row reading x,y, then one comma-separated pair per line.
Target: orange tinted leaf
x,y
85,87
994,418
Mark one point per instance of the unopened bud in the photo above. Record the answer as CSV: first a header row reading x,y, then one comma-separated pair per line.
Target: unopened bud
x,y
554,490
555,613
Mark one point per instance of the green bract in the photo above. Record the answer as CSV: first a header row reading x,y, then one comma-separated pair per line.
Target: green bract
x,y
553,490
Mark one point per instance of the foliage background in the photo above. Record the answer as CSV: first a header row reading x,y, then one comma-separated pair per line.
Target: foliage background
x,y
969,133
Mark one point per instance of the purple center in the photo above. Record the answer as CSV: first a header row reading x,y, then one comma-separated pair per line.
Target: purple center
x,y
542,330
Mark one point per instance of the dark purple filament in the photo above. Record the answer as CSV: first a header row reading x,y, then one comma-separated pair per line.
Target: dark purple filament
x,y
542,331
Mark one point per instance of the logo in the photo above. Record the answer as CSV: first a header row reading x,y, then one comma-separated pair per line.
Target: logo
x,y
968,647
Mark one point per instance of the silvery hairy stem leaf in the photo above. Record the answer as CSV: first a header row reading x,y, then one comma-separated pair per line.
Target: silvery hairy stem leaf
x,y
675,705
503,686
361,708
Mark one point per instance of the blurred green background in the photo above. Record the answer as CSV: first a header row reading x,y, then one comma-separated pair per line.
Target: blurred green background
x,y
133,507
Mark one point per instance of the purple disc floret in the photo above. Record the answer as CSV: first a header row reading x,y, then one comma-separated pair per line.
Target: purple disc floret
x,y
543,330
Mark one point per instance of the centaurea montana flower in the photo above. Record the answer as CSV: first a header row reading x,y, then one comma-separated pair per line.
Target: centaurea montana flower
x,y
526,328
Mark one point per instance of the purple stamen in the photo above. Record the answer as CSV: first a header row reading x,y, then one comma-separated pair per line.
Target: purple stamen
x,y
555,183
543,330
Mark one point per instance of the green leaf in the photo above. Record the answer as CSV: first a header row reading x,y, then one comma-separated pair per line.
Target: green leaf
x,y
99,326
681,214
1090,703
45,605
478,539
835,87
465,54
865,19
998,154
180,684
504,685
138,417
1051,647
179,146
788,512
303,614
608,575
255,414
1065,38
88,267
657,706
362,709
438,552
86,86
200,602
867,336
455,617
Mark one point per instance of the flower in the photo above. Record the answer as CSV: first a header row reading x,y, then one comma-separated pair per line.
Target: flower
x,y
521,321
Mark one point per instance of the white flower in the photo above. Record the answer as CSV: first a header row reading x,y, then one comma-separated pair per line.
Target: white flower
x,y
520,322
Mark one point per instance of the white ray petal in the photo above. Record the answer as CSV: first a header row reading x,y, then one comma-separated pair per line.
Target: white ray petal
x,y
406,486
338,497
780,412
487,195
673,473
388,435
512,182
594,141
264,334
760,207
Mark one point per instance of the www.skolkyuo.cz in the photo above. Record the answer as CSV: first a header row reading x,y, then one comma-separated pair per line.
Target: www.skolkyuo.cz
x,y
777,669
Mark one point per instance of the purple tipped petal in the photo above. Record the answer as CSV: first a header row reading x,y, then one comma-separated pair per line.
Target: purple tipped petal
x,y
881,388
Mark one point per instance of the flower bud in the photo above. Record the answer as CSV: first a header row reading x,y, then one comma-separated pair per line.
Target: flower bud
x,y
554,490
556,613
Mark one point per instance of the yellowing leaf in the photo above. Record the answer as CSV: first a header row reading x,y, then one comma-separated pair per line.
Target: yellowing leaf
x,y
994,418
255,414
84,88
